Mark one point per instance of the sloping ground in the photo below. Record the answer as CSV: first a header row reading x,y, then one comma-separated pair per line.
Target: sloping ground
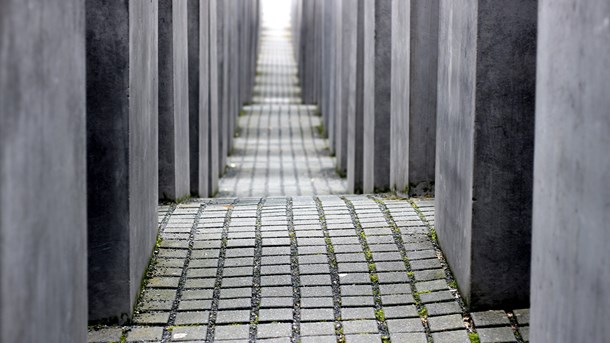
x,y
303,269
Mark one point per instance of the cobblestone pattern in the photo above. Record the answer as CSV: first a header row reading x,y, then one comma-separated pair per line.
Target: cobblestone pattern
x,y
278,149
304,269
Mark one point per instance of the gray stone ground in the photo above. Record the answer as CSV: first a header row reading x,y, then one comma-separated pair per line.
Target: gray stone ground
x,y
313,268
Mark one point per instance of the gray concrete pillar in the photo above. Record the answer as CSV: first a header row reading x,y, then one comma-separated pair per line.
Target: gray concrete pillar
x,y
215,93
174,169
329,70
199,89
122,160
340,113
43,238
376,94
570,268
224,36
354,85
485,136
414,89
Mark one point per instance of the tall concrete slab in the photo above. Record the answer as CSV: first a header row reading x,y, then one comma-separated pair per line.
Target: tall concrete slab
x,y
122,160
354,58
199,96
485,136
174,156
570,255
215,94
414,90
43,238
330,17
224,36
423,96
376,95
340,113
400,95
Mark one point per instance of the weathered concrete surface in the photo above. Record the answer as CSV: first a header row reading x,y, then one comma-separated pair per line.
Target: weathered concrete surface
x,y
215,94
414,83
174,169
422,100
340,113
400,95
376,94
330,29
43,269
485,147
199,85
122,161
353,131
570,255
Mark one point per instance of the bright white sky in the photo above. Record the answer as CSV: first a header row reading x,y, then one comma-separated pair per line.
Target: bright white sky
x,y
276,13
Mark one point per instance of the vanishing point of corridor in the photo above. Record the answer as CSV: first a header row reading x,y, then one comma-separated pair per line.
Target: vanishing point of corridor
x,y
281,256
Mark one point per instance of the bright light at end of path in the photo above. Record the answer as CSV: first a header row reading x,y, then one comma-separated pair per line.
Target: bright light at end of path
x,y
276,14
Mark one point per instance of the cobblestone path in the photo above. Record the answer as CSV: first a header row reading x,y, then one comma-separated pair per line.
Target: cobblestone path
x,y
303,269
279,149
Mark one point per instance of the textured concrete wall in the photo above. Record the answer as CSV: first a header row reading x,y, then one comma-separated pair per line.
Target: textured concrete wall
x,y
340,118
400,95
422,100
174,157
354,81
376,94
198,67
330,16
570,255
43,268
215,93
122,161
485,147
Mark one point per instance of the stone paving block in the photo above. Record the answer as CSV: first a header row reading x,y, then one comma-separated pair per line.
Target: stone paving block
x,y
317,314
459,336
233,316
362,338
194,305
435,285
276,291
397,288
232,304
522,316
405,325
490,318
349,313
277,302
401,299
192,318
496,335
319,328
274,330
314,269
360,326
319,339
355,278
160,318
196,294
437,309
138,334
406,311
316,291
409,337
444,323
319,302
275,314
189,333
357,301
232,332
